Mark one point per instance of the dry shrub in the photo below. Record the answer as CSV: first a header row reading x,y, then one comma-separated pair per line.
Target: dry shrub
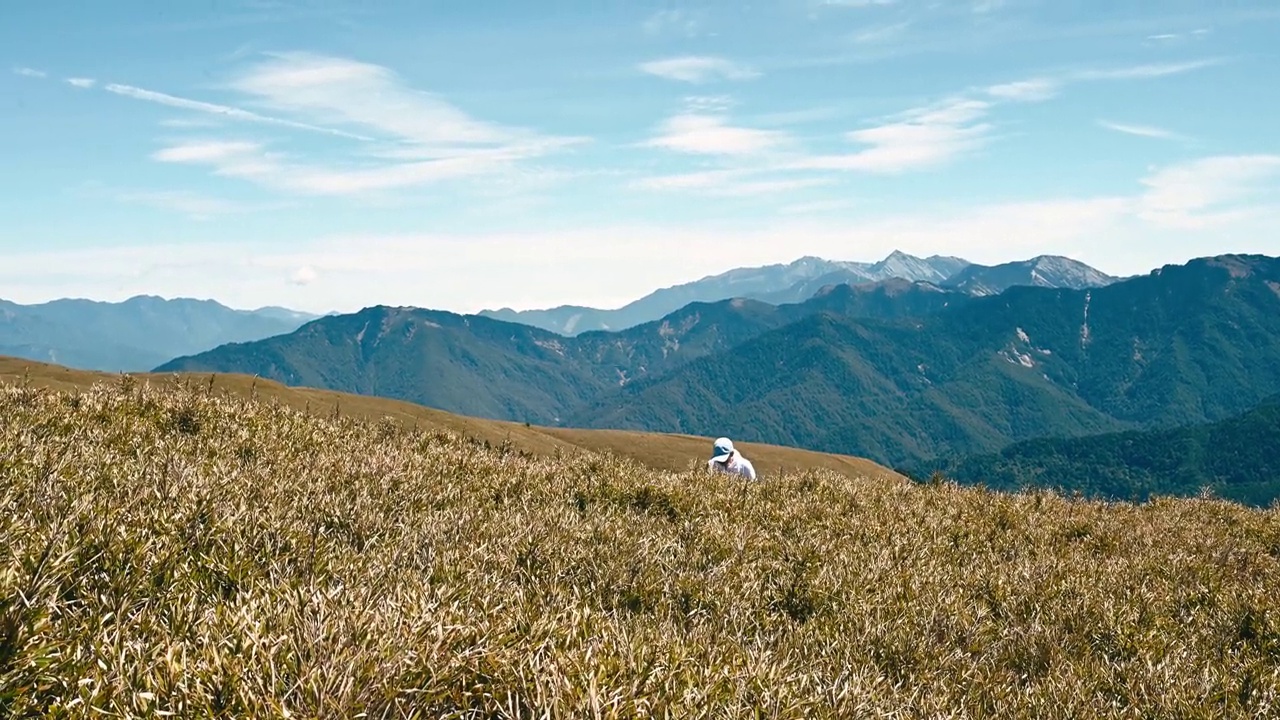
x,y
171,552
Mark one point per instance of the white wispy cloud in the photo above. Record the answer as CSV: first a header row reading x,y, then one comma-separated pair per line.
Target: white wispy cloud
x,y
921,138
1142,130
226,111
1178,212
987,6
858,3
1175,37
1147,71
918,139
1044,88
410,137
189,122
675,20
767,160
194,205
206,151
372,97
81,82
1034,90
1211,191
698,69
252,161
882,33
30,72
304,275
733,182
710,135
708,103
791,118
815,207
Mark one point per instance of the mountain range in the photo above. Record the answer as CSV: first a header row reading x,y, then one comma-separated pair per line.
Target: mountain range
x,y
478,366
1184,344
800,280
898,371
134,335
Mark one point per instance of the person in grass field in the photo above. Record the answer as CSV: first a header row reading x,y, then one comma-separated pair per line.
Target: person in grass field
x,y
726,459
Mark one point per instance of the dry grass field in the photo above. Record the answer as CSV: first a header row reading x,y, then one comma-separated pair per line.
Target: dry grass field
x,y
657,450
169,551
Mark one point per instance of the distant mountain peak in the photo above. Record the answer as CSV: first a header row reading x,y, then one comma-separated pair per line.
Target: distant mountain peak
x,y
1238,265
1054,271
803,278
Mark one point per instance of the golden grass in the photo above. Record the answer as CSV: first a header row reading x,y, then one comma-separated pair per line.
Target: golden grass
x,y
171,552
657,450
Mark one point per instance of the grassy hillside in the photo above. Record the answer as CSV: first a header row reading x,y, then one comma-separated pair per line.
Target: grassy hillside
x,y
661,451
1186,344
177,553
1237,459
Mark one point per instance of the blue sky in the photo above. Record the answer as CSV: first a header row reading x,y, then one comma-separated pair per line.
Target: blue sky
x,y
335,154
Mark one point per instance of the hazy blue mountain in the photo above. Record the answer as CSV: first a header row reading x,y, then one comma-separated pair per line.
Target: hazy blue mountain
x,y
134,335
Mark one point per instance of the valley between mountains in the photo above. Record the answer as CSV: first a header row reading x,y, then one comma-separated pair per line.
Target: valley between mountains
x,y
900,371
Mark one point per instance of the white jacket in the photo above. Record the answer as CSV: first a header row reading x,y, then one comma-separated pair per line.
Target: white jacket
x,y
737,465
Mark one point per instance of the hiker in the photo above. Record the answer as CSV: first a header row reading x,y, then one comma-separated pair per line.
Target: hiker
x,y
726,459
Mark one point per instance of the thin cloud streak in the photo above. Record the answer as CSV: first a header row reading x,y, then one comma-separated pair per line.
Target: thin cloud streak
x,y
226,111
1141,130
1036,90
858,3
737,182
678,20
698,69
881,34
252,162
1147,71
194,205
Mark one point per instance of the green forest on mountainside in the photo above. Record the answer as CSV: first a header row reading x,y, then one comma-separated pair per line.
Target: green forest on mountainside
x,y
487,368
1237,459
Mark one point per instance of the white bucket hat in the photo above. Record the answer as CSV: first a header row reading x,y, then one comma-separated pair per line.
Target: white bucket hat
x,y
723,450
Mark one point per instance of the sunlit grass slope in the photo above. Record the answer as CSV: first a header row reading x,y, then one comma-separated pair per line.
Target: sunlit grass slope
x,y
658,450
171,551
